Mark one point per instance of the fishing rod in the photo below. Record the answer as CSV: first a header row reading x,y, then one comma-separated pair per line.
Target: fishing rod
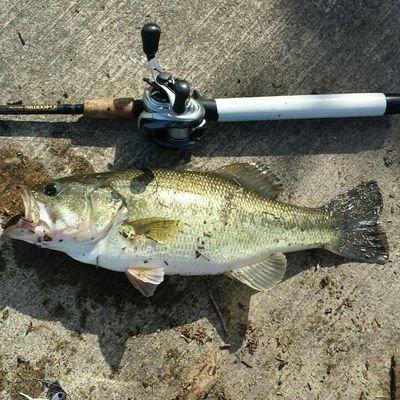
x,y
173,115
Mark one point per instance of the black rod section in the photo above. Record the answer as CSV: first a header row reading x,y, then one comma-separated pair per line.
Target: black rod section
x,y
210,107
392,103
13,109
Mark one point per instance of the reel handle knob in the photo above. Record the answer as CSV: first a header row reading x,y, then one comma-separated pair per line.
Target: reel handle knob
x,y
150,38
182,93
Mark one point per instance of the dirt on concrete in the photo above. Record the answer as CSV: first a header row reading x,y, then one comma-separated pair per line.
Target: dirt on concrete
x,y
16,170
330,330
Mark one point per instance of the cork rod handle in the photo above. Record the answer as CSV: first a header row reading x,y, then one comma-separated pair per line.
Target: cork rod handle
x,y
112,108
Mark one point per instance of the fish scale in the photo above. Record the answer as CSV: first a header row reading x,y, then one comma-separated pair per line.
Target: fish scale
x,y
249,226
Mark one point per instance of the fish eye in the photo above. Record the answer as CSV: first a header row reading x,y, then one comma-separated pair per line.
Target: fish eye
x,y
51,189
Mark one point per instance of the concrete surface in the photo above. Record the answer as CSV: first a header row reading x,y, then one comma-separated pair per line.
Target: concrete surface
x,y
330,330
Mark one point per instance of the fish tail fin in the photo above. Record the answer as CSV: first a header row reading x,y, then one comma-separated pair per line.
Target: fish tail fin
x,y
356,213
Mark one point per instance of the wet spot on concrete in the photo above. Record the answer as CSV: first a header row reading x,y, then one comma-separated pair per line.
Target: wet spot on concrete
x,y
30,374
16,169
63,151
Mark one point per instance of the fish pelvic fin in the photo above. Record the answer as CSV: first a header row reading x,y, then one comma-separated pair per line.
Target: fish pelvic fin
x,y
255,176
262,275
145,280
356,213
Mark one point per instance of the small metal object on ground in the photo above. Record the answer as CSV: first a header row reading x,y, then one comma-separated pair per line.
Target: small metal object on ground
x,y
56,396
54,391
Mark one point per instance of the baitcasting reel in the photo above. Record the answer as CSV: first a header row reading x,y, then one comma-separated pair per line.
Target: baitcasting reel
x,y
171,116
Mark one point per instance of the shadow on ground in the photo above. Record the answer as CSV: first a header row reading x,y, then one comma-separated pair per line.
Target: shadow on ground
x,y
77,295
278,138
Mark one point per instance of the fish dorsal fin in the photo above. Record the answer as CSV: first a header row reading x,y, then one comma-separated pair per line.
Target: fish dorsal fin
x,y
160,230
262,275
145,280
254,176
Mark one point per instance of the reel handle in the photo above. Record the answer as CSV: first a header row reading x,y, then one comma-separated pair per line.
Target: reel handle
x,y
150,38
182,93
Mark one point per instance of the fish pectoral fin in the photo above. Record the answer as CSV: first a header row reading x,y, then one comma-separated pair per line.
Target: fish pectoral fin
x,y
160,230
145,280
254,176
262,275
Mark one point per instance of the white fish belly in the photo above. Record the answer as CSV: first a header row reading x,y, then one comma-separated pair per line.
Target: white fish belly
x,y
196,267
170,266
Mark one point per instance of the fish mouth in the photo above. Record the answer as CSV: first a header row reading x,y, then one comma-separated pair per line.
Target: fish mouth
x,y
34,226
31,217
36,214
46,224
40,223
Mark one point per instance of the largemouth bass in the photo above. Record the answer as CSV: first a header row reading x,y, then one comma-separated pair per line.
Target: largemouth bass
x,y
153,222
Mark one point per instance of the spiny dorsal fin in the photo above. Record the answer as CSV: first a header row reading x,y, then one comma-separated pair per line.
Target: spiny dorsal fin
x,y
145,280
158,229
264,274
254,176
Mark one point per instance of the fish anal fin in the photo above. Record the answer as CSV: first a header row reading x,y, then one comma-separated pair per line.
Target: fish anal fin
x,y
145,280
160,230
253,176
262,275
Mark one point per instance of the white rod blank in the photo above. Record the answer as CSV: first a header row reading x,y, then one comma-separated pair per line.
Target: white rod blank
x,y
301,107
